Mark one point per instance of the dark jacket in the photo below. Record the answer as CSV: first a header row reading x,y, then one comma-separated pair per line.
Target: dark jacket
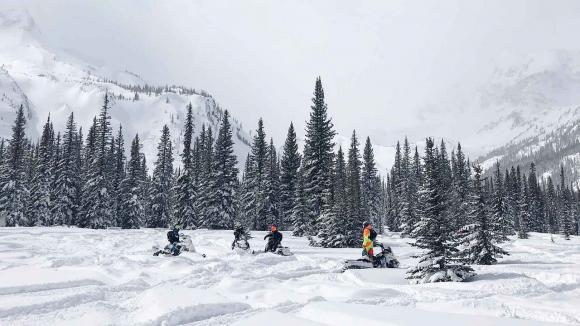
x,y
373,235
276,236
173,236
239,234
274,239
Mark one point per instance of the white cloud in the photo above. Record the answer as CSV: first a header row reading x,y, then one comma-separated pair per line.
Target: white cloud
x,y
383,63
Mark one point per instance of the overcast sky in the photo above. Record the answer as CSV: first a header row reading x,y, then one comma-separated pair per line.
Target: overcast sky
x,y
382,62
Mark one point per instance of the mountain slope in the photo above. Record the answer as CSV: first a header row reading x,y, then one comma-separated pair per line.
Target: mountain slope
x,y
46,82
537,102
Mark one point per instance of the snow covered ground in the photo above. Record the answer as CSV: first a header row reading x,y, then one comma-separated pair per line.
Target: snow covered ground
x,y
52,276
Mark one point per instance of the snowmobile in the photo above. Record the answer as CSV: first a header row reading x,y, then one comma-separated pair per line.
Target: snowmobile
x,y
175,249
384,259
280,250
283,251
241,246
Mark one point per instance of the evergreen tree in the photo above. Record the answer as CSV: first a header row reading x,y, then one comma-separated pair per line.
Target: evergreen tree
x,y
299,215
289,165
334,222
272,188
523,207
42,177
254,201
318,157
222,208
536,222
118,174
433,233
551,207
566,207
14,194
97,205
460,189
161,192
499,208
403,187
131,209
486,231
67,181
370,187
185,192
204,188
399,208
353,188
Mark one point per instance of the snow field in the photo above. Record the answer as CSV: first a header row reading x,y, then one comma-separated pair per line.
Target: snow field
x,y
70,276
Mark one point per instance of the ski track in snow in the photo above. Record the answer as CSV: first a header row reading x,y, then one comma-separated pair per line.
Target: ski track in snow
x,y
52,276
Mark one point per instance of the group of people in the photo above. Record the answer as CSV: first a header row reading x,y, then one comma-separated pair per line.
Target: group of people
x,y
242,235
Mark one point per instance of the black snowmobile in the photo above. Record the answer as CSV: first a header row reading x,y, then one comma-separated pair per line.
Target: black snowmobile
x,y
241,237
178,243
384,259
176,248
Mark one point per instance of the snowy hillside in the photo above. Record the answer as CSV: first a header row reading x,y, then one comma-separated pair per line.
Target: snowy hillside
x,y
110,277
537,104
526,102
47,82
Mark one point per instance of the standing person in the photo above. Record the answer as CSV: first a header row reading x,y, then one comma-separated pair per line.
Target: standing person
x,y
369,236
274,239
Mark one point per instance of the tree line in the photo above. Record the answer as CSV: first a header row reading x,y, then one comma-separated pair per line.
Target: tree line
x,y
455,214
67,178
458,217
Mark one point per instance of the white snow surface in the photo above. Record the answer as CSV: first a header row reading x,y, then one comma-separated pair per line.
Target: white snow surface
x,y
71,276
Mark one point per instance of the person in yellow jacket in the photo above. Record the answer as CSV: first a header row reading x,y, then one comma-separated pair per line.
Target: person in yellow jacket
x,y
369,236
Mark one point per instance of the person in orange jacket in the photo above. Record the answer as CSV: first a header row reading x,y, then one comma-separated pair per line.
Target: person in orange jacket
x,y
369,236
275,238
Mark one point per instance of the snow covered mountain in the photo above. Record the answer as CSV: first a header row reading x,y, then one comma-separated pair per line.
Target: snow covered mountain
x,y
47,81
537,108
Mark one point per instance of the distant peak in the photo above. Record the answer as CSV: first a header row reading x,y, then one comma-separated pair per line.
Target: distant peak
x,y
19,19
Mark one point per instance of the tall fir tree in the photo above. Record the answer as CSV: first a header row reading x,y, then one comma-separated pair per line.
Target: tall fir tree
x,y
500,212
40,192
204,188
272,188
97,205
523,207
185,188
118,174
551,207
222,208
353,187
566,207
460,189
334,221
370,187
486,231
299,215
132,211
536,222
289,166
162,183
318,157
254,200
15,194
397,191
433,232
